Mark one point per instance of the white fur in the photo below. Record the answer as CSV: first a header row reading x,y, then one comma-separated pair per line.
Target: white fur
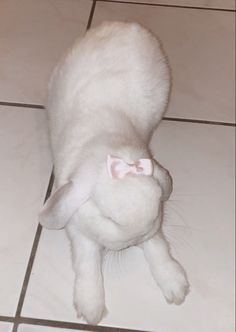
x,y
105,98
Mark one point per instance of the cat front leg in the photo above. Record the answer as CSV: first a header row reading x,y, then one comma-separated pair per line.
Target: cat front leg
x,y
167,272
89,298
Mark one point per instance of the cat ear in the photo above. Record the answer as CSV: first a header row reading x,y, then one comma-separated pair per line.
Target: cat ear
x,y
59,208
164,179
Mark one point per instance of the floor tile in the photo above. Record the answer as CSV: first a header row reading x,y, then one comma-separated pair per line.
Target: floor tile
x,y
25,171
200,48
5,327
32,328
49,294
200,227
33,36
226,4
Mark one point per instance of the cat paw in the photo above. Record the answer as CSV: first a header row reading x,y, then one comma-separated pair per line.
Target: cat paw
x,y
89,304
174,283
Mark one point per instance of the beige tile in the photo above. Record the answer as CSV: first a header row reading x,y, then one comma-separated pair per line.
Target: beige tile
x,y
6,327
226,4
200,227
200,48
25,170
33,36
50,291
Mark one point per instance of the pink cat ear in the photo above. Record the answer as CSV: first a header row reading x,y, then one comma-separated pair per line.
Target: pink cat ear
x,y
118,168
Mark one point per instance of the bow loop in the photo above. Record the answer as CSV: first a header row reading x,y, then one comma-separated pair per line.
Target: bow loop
x,y
118,168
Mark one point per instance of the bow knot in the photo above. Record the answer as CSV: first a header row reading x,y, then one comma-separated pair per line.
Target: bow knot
x,y
118,168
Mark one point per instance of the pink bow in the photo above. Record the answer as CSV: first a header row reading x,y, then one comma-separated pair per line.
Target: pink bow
x,y
118,168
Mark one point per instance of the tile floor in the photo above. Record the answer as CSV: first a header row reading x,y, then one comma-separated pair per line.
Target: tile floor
x,y
195,142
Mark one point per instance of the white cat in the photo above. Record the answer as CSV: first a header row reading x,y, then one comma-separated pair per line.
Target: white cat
x,y
106,97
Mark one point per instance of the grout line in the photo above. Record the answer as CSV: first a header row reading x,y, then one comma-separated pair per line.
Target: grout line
x,y
6,103
28,270
209,122
166,5
73,326
64,324
30,262
166,118
7,319
50,185
91,14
